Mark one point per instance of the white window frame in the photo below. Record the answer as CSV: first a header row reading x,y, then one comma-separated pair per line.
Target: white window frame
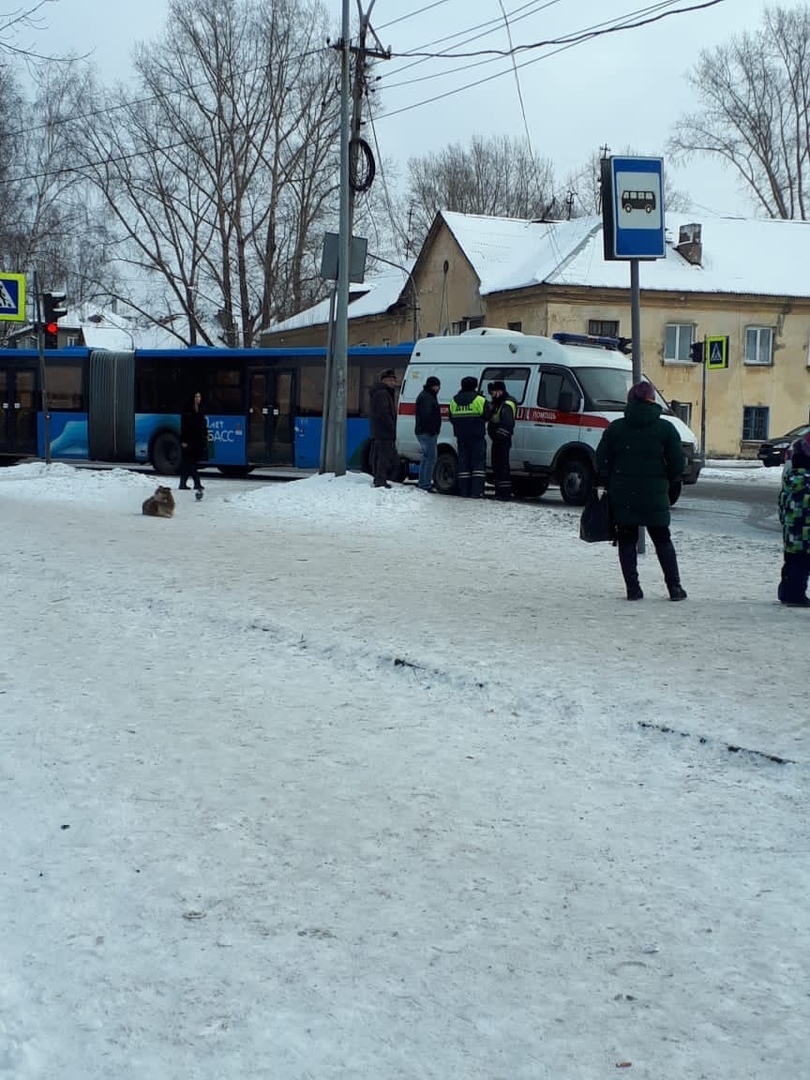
x,y
469,322
752,357
680,330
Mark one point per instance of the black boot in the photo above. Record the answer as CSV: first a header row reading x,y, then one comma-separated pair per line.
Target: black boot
x,y
669,564
628,560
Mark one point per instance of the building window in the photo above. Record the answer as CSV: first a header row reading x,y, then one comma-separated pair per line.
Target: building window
x,y
755,423
515,326
603,327
759,345
678,338
470,323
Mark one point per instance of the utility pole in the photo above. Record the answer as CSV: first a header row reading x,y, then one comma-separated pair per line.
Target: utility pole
x,y
350,145
335,460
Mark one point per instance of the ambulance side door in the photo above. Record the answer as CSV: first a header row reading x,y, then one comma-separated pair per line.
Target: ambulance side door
x,y
553,418
517,383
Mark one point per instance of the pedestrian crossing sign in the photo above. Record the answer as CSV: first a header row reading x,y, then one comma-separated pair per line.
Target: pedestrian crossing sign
x,y
12,297
716,353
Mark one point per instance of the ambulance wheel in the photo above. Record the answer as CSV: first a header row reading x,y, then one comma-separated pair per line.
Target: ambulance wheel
x,y
445,479
576,481
532,488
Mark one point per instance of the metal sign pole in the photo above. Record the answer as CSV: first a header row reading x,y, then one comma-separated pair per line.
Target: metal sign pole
x,y
703,403
635,333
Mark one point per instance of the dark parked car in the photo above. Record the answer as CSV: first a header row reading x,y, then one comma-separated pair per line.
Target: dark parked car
x,y
773,451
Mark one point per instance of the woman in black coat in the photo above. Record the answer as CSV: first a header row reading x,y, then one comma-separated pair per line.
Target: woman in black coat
x,y
640,458
193,443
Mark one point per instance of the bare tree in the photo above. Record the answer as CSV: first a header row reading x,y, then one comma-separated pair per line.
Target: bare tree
x,y
50,222
219,171
755,111
12,25
498,176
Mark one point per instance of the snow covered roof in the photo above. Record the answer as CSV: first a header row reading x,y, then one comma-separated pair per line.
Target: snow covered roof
x,y
371,298
740,255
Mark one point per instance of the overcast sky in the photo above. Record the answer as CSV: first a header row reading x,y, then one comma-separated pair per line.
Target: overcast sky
x,y
623,89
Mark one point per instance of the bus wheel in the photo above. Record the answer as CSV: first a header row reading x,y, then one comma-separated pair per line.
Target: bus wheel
x,y
165,453
445,478
235,472
576,481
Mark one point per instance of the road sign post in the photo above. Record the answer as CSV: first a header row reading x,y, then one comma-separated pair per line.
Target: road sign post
x,y
633,229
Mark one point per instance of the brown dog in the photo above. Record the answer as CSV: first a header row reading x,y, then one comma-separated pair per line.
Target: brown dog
x,y
161,504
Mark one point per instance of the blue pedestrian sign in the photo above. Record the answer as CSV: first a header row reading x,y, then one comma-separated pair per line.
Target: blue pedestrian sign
x,y
633,208
12,297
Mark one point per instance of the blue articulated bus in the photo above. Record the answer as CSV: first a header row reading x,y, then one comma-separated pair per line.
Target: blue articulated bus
x,y
264,406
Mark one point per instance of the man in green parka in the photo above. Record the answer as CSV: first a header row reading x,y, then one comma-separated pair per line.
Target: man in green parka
x,y
639,459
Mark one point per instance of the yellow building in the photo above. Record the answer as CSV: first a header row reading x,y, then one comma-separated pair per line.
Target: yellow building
x,y
745,280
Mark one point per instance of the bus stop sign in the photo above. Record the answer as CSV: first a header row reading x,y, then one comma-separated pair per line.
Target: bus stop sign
x,y
633,208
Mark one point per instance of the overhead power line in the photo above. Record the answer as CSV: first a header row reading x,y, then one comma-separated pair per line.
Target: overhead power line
x,y
567,39
564,44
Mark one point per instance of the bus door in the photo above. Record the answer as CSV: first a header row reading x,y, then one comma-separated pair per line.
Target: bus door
x,y
271,427
18,411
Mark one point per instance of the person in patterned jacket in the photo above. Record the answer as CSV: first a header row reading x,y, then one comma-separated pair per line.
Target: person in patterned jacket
x,y
794,514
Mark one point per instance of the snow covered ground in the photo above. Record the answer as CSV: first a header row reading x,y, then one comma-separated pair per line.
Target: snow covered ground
x,y
315,780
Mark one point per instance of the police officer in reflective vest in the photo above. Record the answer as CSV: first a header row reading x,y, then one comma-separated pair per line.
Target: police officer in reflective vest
x,y
500,414
469,427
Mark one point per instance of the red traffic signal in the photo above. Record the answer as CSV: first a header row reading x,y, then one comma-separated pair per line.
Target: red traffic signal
x,y
51,328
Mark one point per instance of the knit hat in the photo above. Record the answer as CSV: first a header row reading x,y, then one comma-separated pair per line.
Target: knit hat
x,y
389,373
469,382
498,384
800,454
432,381
642,391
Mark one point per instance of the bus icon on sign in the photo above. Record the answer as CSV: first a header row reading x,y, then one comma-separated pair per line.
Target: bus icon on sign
x,y
638,200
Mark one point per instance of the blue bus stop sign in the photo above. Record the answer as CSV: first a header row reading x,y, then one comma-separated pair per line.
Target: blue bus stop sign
x,y
633,208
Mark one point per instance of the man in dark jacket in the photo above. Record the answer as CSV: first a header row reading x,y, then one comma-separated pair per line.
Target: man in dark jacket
x,y
639,458
383,423
467,418
500,414
193,443
428,426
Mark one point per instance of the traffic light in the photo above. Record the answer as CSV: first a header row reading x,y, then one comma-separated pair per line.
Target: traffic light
x,y
52,312
696,352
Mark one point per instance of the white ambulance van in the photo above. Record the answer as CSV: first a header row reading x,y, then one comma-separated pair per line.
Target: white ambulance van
x,y
568,388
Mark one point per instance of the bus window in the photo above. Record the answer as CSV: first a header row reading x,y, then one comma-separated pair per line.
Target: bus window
x,y
64,387
225,391
310,390
158,388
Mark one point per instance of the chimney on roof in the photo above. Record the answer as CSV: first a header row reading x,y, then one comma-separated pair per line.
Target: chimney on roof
x,y
690,244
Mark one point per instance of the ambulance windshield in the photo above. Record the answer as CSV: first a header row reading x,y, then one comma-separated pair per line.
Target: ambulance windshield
x,y
606,388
